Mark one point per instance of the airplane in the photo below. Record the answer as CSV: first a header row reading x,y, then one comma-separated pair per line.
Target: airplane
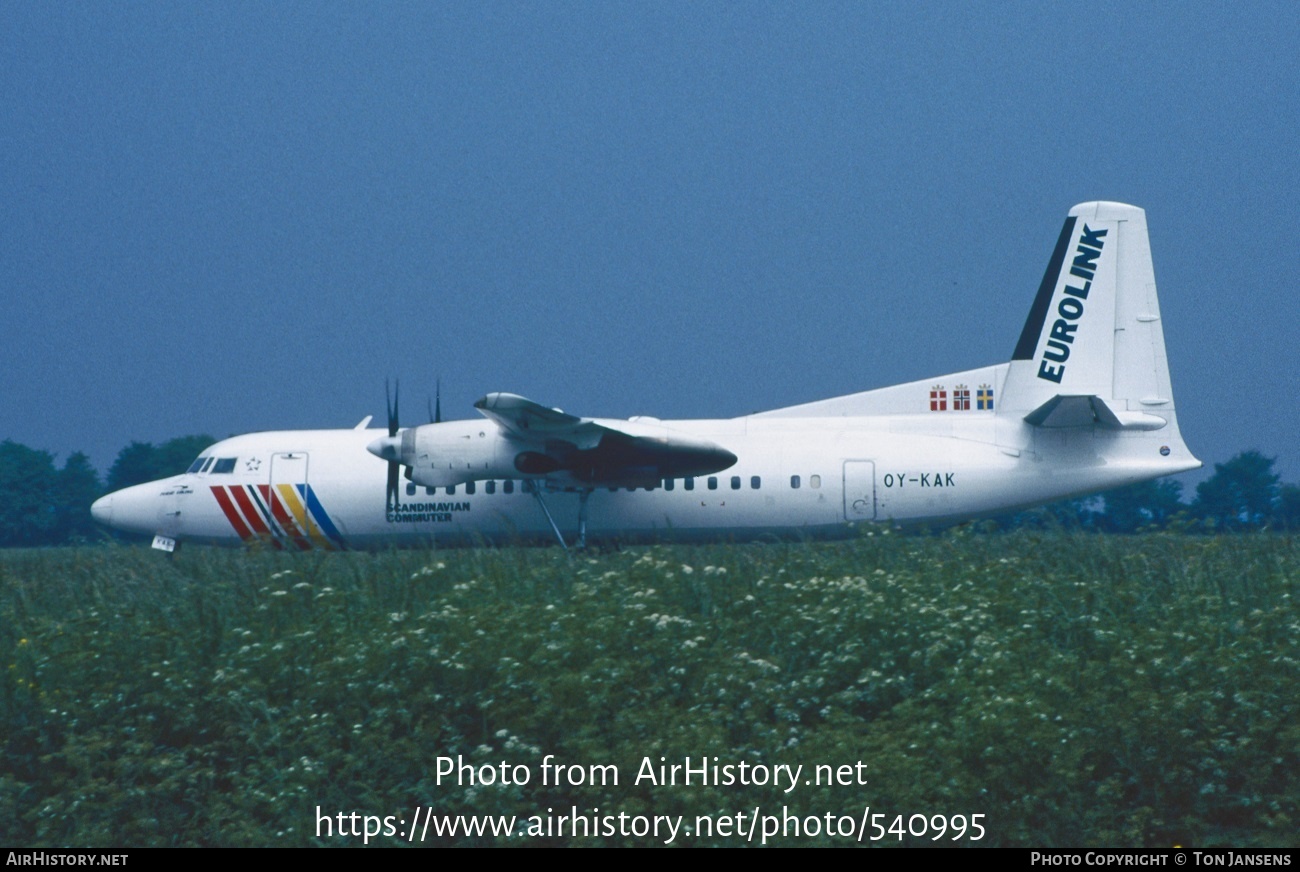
x,y
1083,405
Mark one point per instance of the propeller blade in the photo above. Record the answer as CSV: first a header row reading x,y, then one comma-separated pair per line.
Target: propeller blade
x,y
393,471
392,406
394,466
437,409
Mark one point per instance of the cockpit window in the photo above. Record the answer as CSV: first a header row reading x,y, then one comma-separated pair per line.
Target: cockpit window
x,y
225,464
197,464
208,464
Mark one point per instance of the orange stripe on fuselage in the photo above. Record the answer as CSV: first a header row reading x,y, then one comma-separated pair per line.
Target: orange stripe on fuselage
x,y
283,517
289,496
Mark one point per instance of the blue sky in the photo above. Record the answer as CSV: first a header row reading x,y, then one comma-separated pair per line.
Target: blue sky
x,y
230,217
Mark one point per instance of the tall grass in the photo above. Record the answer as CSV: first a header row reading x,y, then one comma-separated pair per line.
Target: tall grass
x,y
1075,689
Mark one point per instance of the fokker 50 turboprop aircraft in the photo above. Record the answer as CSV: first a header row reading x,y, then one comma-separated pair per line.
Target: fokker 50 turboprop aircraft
x,y
1084,405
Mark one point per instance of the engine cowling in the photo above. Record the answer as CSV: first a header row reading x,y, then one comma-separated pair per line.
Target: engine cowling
x,y
441,455
457,452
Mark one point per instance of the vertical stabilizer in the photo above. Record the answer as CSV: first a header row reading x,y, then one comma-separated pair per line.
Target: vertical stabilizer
x,y
1092,353
1069,342
1094,329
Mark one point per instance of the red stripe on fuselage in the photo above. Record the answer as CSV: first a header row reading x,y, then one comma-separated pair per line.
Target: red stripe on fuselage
x,y
253,515
232,514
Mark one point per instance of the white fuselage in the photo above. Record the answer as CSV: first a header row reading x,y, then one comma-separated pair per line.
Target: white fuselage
x,y
793,477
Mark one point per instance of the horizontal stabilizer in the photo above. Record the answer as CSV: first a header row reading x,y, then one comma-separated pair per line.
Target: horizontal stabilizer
x,y
1076,411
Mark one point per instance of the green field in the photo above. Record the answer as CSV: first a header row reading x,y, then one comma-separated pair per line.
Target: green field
x,y
1074,689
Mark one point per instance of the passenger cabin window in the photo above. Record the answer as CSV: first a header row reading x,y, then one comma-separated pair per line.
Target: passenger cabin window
x,y
508,486
410,489
669,484
224,465
755,482
490,487
689,483
794,482
713,482
735,482
814,481
469,487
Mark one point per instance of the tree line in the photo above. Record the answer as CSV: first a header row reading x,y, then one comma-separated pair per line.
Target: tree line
x,y
43,504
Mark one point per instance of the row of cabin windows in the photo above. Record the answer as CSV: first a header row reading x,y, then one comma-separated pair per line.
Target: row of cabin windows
x,y
755,482
226,465
508,486
490,487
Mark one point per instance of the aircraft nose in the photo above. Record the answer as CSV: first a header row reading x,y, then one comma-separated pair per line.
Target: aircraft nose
x,y
102,510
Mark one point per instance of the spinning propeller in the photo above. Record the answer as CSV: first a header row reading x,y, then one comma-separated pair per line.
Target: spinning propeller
x,y
392,452
389,448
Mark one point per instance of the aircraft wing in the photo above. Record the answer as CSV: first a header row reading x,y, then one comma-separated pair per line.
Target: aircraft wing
x,y
598,452
523,419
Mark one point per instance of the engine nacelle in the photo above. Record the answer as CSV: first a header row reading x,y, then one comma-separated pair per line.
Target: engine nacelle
x,y
441,455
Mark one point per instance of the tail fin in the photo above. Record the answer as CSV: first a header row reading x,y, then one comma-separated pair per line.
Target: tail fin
x,y
1094,329
1088,383
1092,353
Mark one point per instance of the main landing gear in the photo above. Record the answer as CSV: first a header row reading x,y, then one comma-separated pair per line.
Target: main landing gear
x,y
583,495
